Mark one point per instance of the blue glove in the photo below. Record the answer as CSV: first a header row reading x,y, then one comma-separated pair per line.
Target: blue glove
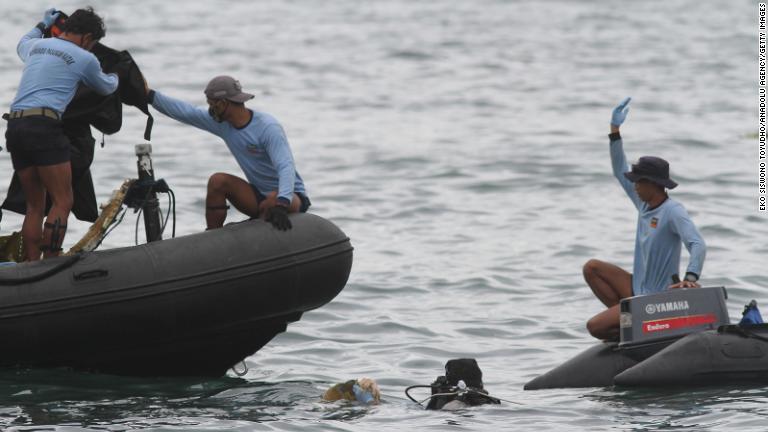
x,y
362,395
620,112
49,17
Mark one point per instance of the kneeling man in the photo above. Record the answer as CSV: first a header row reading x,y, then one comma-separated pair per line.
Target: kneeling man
x,y
662,225
257,141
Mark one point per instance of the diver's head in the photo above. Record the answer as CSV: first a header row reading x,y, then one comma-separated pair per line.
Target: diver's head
x,y
224,93
84,28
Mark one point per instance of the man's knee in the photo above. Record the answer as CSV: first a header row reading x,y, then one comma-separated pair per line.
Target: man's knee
x,y
593,327
218,182
605,325
600,329
591,268
63,202
35,210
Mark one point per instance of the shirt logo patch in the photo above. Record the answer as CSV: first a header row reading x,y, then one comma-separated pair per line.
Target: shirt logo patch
x,y
252,148
654,222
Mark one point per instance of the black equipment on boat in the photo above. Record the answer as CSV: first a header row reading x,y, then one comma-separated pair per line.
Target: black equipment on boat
x,y
146,187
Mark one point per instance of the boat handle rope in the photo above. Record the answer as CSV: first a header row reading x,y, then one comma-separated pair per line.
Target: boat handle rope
x,y
42,275
741,331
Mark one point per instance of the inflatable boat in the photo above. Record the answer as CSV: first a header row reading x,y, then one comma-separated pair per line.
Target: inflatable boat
x,y
730,354
676,338
189,306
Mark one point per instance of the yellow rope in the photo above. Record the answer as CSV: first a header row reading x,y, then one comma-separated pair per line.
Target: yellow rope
x,y
109,212
11,246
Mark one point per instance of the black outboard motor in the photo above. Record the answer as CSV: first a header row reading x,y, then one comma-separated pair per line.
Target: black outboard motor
x,y
463,382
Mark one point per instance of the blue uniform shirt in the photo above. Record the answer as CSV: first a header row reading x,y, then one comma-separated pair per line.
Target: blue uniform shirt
x,y
260,147
52,70
660,231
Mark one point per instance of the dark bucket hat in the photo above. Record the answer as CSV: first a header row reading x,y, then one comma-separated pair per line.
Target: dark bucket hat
x,y
226,87
651,168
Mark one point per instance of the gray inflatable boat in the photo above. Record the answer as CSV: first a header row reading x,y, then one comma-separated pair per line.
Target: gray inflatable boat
x,y
189,306
677,338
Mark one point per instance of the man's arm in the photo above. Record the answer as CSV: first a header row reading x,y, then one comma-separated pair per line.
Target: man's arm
x,y
94,78
282,159
683,226
618,158
183,112
27,41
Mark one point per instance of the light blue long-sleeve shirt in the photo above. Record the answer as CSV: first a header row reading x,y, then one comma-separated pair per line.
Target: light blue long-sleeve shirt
x,y
260,147
53,68
660,231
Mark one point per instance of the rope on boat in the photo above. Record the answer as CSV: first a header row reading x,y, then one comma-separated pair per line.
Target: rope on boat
x,y
104,224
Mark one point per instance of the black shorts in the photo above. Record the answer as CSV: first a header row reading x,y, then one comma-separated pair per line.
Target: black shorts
x,y
36,141
305,202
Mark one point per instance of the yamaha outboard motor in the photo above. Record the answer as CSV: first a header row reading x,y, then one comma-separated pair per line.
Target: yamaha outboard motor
x,y
463,382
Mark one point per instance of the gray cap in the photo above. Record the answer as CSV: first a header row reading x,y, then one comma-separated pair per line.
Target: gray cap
x,y
226,87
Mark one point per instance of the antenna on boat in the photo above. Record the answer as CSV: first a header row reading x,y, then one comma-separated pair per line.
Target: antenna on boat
x,y
150,203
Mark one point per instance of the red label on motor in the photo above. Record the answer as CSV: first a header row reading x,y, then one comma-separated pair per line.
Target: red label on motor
x,y
677,323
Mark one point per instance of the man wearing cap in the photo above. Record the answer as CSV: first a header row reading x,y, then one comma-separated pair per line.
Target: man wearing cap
x,y
273,187
662,225
53,70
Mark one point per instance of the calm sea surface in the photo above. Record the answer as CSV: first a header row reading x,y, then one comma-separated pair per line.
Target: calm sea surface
x,y
462,147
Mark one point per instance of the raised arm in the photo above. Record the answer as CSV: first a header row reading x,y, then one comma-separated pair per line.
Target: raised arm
x,y
27,41
184,112
618,158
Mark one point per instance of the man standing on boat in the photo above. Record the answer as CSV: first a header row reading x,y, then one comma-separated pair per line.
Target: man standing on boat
x,y
257,141
662,225
53,70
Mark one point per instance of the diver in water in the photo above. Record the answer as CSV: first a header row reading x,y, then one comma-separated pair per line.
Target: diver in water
x,y
461,387
273,188
662,225
40,151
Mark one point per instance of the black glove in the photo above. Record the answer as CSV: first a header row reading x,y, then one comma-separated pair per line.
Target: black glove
x,y
278,216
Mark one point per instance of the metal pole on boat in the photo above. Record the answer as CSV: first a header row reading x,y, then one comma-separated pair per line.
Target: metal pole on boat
x,y
151,205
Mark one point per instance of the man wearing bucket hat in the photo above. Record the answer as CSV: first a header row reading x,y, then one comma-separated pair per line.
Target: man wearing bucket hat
x,y
662,225
272,188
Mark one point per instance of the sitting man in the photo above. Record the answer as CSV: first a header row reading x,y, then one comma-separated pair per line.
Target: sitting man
x,y
273,187
662,224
